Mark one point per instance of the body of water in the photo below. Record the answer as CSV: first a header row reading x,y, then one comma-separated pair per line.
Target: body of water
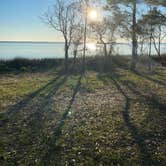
x,y
37,50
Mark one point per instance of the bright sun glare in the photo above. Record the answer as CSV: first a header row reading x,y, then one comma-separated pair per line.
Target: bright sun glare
x,y
91,46
93,15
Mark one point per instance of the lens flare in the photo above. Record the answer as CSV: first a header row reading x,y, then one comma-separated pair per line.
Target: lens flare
x,y
91,46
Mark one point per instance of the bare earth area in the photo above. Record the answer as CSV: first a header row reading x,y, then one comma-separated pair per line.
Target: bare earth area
x,y
95,118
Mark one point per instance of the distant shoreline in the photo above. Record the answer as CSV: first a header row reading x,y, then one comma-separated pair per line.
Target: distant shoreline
x,y
41,42
50,42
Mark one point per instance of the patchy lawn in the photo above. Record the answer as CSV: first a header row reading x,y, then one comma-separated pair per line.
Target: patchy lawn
x,y
113,118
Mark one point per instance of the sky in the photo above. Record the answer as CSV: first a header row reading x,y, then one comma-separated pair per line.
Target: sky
x,y
20,21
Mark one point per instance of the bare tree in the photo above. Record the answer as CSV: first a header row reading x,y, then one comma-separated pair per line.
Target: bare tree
x,y
153,24
100,29
62,18
132,6
77,40
143,35
134,36
107,31
159,34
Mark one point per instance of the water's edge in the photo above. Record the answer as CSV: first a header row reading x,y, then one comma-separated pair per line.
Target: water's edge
x,y
39,50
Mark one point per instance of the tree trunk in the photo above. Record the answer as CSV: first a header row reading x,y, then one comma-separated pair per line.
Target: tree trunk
x,y
150,45
75,55
66,56
105,49
134,38
159,42
104,45
85,31
150,50
111,49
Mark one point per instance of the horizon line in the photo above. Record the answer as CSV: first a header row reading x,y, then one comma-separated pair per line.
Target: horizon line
x,y
12,41
8,41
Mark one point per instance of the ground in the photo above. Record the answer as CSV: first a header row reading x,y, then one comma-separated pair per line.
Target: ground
x,y
96,118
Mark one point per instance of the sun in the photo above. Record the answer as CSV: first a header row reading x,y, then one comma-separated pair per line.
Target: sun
x,y
93,14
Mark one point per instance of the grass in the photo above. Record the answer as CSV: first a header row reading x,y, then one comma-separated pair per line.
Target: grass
x,y
14,87
114,117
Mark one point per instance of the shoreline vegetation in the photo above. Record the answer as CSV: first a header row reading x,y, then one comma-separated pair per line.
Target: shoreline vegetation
x,y
23,64
108,114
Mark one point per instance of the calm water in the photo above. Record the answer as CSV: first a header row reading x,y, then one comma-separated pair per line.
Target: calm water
x,y
53,50
31,50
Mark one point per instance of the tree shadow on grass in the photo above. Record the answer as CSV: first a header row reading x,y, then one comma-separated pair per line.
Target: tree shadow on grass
x,y
150,78
53,155
150,99
30,112
122,62
28,99
146,158
141,74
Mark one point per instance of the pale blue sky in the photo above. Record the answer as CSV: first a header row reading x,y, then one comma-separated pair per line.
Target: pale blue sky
x,y
19,21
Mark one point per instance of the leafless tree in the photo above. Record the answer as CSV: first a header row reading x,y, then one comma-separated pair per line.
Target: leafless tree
x,y
77,40
107,31
100,29
132,8
153,25
62,18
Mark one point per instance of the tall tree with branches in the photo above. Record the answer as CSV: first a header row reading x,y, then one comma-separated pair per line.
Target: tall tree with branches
x,y
62,18
154,24
132,5
77,40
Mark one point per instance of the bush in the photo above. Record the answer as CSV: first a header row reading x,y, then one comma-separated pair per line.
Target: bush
x,y
20,64
4,67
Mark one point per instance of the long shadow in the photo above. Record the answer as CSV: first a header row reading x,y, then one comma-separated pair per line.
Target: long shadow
x,y
13,110
151,99
34,122
146,158
45,103
122,63
28,98
53,153
150,79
